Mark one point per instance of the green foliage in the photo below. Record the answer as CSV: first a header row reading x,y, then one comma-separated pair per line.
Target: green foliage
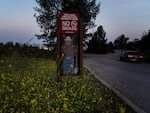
x,y
110,47
28,86
47,12
121,42
88,9
130,46
147,56
98,42
144,43
12,50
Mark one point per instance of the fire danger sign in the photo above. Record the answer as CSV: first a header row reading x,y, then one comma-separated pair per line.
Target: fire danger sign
x,y
69,23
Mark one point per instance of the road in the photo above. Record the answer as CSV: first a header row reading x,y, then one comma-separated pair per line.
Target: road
x,y
131,79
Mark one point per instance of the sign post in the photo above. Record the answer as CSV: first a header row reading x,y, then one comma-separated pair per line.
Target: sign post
x,y
69,44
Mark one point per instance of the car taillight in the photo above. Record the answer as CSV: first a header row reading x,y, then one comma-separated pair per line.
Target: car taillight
x,y
141,56
130,56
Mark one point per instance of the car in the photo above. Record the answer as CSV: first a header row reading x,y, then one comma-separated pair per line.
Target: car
x,y
133,56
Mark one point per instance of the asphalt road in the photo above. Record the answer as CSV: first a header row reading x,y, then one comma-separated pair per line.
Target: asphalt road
x,y
130,79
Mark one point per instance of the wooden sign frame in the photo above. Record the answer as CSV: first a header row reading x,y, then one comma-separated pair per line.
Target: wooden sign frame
x,y
80,46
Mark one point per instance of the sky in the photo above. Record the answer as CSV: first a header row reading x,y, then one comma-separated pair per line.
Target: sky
x,y
17,22
129,17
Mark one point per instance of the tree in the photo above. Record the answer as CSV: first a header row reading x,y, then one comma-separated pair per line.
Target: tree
x,y
144,43
98,42
130,46
121,42
47,12
110,47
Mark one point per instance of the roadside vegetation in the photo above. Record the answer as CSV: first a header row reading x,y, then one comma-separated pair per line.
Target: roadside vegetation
x,y
98,44
142,45
10,49
28,84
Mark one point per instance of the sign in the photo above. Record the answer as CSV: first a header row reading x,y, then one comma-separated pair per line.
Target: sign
x,y
69,45
69,23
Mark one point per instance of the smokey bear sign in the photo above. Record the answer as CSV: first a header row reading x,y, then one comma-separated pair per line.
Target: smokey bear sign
x,y
69,44
69,23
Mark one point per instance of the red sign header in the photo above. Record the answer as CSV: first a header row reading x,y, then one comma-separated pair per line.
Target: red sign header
x,y
69,23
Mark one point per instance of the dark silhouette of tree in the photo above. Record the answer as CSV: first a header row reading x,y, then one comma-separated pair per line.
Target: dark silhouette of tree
x,y
121,42
98,42
130,46
47,12
1,49
136,44
15,50
110,47
144,43
133,45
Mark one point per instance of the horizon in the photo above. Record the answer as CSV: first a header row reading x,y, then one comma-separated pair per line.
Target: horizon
x,y
130,17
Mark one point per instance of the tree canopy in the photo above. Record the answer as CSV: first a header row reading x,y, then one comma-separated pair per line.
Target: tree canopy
x,y
144,43
47,12
121,42
98,42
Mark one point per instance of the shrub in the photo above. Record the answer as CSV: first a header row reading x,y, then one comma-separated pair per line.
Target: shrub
x,y
28,85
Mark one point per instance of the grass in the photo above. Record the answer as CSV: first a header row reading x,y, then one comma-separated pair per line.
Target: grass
x,y
27,85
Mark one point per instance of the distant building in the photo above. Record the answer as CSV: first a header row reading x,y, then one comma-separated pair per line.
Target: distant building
x,y
40,46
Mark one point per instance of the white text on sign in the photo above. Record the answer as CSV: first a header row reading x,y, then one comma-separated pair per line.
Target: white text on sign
x,y
69,25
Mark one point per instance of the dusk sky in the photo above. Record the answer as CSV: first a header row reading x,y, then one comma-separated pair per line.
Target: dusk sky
x,y
129,17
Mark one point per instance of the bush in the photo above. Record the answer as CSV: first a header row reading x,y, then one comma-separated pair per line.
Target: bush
x,y
147,56
28,85
10,50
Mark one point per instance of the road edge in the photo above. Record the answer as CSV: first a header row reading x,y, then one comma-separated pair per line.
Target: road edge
x,y
128,102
